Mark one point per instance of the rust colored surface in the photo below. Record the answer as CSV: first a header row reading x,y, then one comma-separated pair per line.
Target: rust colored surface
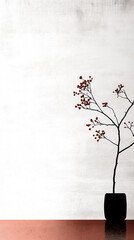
x,y
62,230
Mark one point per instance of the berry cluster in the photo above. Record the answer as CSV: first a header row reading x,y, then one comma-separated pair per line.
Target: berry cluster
x,y
75,93
119,89
129,123
93,123
85,83
78,106
104,104
99,134
85,100
88,125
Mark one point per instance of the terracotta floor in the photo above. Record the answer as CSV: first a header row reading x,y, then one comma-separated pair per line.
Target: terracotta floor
x,y
65,230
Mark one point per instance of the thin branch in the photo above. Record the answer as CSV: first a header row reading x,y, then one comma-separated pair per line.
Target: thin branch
x,y
130,127
96,110
127,147
111,141
126,113
109,118
95,101
127,96
121,91
84,93
86,108
114,114
89,90
100,110
92,109
105,124
131,130
97,122
122,97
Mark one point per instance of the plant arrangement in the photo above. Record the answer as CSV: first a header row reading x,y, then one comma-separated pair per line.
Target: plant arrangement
x,y
88,102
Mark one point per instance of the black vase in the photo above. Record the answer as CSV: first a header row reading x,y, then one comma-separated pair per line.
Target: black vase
x,y
115,206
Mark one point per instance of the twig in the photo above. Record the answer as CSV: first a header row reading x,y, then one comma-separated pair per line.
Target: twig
x,y
110,141
129,127
126,147
100,110
126,113
114,114
105,124
127,96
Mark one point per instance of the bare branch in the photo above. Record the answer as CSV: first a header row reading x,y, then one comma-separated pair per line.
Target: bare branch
x,y
104,124
122,97
114,114
86,108
129,125
119,91
126,113
97,122
126,96
85,94
110,141
92,109
88,102
126,147
96,110
100,110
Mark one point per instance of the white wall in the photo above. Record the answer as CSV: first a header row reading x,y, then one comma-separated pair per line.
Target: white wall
x,y
50,167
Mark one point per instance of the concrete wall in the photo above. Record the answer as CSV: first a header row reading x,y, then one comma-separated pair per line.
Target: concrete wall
x,y
50,166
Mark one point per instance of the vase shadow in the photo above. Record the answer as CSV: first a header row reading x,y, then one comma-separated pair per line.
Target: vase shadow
x,y
115,230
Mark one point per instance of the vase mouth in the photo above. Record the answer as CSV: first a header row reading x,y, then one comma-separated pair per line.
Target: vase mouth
x,y
115,194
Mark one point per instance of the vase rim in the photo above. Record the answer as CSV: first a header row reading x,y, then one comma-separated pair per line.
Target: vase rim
x,y
115,193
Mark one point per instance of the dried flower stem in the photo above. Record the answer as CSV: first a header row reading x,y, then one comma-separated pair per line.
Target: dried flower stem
x,y
88,99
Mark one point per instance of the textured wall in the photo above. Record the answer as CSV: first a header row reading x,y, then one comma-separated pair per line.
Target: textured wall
x,y
50,167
